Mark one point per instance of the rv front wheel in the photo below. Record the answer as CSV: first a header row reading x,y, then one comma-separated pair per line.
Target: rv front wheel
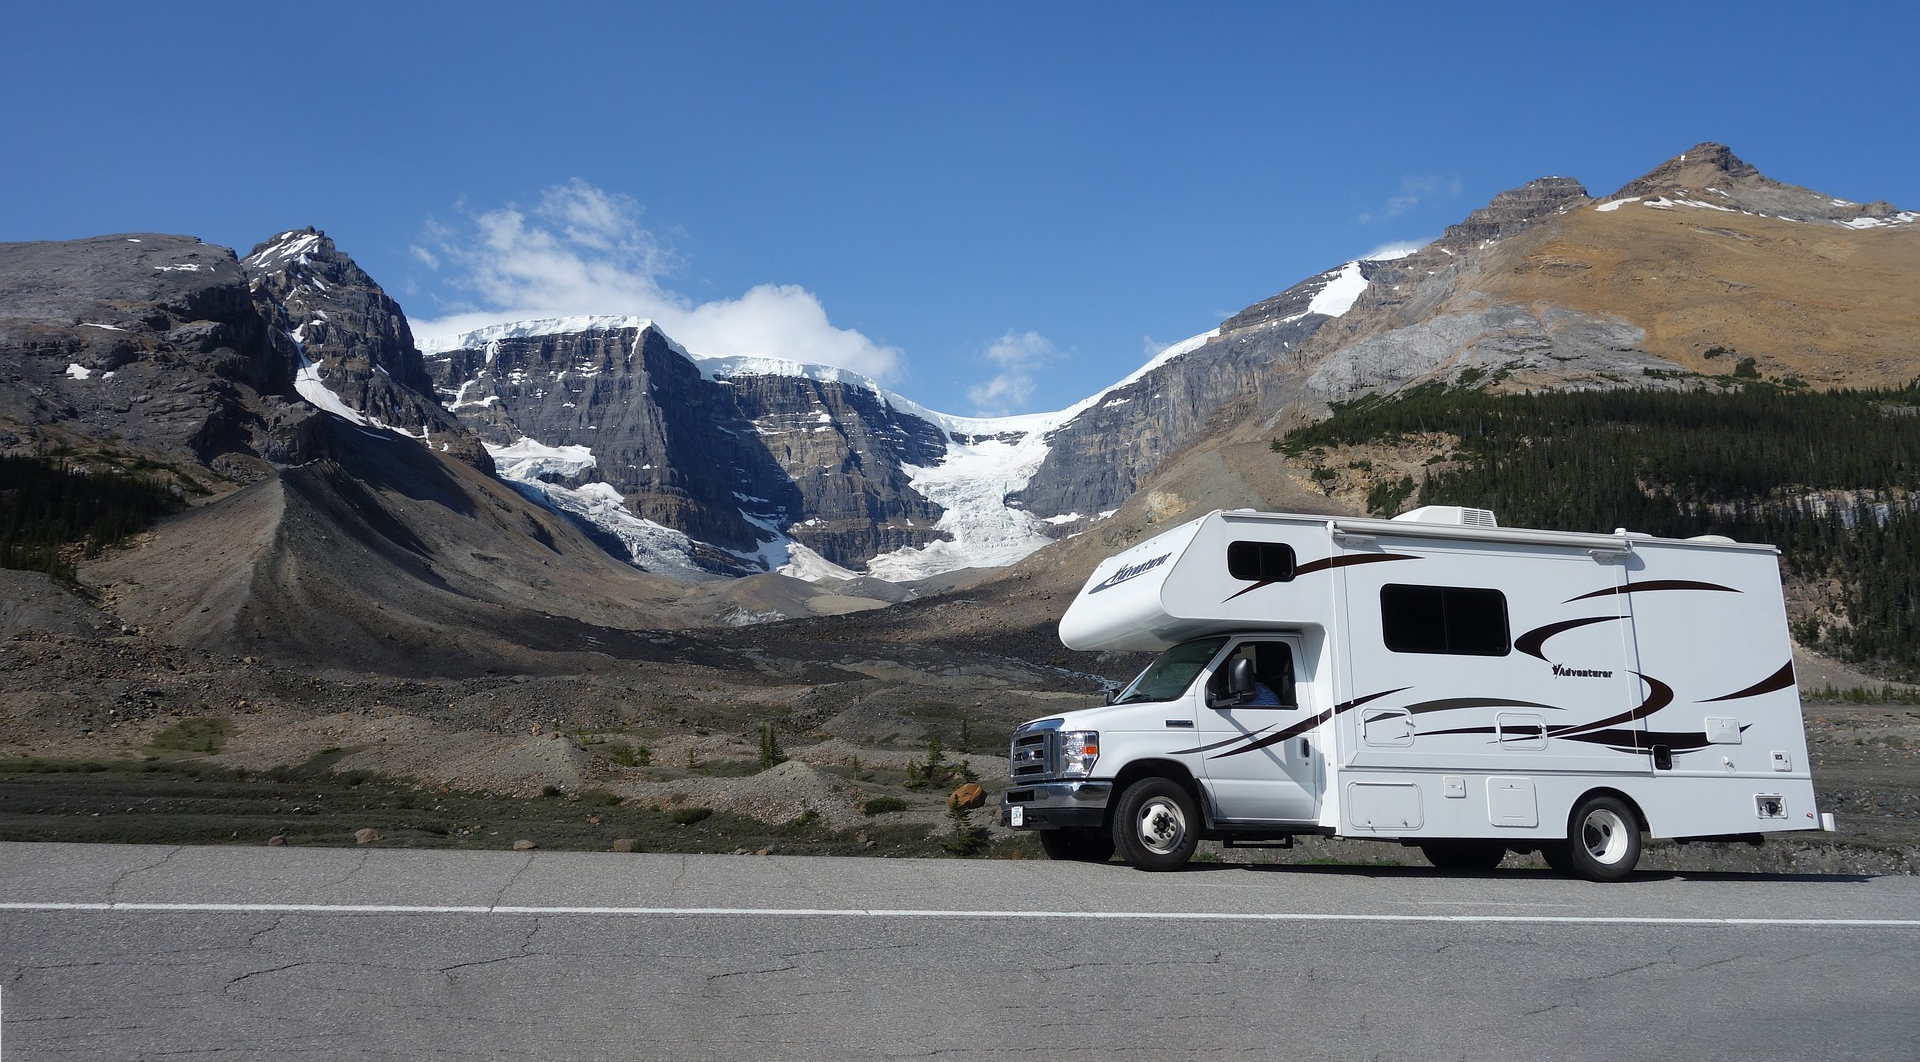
x,y
1156,826
1603,839
1079,846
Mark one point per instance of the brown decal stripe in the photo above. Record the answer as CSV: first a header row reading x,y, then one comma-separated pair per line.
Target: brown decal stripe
x,y
1533,643
1456,730
1224,744
1451,703
1325,564
1779,680
1643,741
1659,695
1349,560
1308,724
1652,584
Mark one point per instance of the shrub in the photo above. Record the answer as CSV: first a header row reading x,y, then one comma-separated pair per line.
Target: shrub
x,y
630,755
770,750
965,838
194,735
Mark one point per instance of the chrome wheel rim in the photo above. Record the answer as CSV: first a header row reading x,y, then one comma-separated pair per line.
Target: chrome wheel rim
x,y
1605,834
1162,826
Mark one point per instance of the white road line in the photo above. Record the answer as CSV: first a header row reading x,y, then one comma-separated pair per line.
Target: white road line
x,y
863,912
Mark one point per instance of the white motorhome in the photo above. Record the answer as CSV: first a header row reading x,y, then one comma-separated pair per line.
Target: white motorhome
x,y
1435,680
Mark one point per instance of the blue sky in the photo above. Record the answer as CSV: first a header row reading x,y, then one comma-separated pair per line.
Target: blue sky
x,y
993,207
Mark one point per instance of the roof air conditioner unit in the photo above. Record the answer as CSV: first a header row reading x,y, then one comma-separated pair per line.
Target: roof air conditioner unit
x,y
1458,515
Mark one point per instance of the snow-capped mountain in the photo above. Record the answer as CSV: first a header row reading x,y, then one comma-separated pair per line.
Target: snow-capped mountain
x,y
348,511
730,465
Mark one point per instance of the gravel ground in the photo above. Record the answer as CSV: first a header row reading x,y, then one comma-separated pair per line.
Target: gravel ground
x,y
852,712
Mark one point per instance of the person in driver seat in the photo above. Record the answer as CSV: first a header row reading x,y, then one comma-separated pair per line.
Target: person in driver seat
x,y
1272,675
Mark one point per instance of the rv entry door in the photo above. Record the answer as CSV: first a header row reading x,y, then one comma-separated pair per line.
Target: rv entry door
x,y
1261,762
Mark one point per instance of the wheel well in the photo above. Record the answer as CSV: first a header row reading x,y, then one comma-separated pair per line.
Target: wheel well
x,y
1167,769
1639,817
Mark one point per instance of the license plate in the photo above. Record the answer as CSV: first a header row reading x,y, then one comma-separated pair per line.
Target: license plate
x,y
1016,815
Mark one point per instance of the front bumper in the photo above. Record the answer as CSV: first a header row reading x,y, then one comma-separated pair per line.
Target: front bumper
x,y
1057,805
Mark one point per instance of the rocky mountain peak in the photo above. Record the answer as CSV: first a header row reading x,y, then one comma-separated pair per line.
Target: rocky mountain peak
x,y
1697,169
1711,175
354,340
1515,210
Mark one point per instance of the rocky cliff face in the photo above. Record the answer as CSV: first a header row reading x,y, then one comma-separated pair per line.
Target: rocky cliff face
x,y
1098,458
846,452
1515,211
175,348
352,338
734,461
149,340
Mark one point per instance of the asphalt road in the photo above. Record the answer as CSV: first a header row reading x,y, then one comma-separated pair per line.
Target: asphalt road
x,y
131,952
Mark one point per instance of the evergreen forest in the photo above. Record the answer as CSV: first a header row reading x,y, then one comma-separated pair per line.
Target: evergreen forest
x,y
1832,478
53,512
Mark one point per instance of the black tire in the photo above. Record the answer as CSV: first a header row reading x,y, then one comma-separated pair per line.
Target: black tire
x,y
1603,839
1464,855
1155,825
1077,846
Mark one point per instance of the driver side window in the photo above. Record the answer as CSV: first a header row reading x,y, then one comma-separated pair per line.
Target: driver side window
x,y
1273,682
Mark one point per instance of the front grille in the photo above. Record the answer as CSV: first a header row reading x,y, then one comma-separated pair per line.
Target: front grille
x,y
1033,754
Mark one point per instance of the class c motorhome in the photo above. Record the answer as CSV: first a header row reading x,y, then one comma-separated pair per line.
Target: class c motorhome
x,y
1435,680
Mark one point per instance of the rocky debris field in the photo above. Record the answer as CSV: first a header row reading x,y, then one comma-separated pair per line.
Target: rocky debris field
x,y
795,742
110,736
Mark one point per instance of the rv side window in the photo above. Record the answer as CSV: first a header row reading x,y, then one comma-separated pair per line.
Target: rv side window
x,y
1456,620
1260,562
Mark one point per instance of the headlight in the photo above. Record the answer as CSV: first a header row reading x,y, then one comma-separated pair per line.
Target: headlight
x,y
1078,751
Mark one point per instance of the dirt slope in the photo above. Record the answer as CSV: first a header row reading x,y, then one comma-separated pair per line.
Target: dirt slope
x,y
381,557
1832,305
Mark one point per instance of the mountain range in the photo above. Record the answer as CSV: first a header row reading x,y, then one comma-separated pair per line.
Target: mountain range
x,y
360,495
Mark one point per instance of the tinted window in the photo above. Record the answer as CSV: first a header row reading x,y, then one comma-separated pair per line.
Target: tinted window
x,y
1444,619
1261,562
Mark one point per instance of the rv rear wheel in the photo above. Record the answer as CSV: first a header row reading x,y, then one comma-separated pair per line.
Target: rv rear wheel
x,y
1603,839
1155,825
1464,855
1080,846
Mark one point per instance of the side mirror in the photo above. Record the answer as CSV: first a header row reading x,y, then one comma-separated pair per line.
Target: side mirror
x,y
1239,683
1240,677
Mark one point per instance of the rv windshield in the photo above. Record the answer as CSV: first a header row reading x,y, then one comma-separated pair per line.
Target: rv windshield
x,y
1170,675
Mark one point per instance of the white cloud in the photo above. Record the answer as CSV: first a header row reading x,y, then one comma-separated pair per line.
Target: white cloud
x,y
1413,190
1018,355
582,250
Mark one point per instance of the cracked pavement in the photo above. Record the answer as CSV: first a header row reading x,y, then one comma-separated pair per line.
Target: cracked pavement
x,y
401,955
